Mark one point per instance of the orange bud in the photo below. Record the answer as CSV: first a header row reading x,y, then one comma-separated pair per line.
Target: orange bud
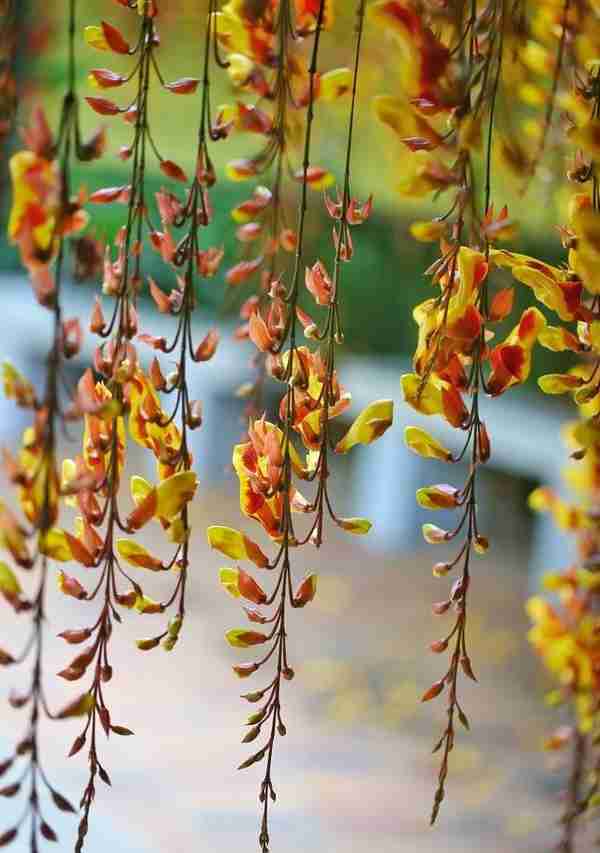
x,y
435,690
114,39
106,79
207,347
71,586
161,300
243,271
172,170
306,591
184,86
103,106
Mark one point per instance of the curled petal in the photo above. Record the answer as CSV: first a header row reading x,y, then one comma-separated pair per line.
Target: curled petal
x,y
368,426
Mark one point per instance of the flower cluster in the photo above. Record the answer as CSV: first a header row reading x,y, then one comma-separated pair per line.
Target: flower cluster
x,y
267,62
269,465
43,217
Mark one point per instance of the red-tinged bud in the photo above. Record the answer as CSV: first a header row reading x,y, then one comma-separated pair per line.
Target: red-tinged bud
x,y
249,232
10,790
72,337
483,443
245,670
97,321
76,636
306,591
8,763
241,170
194,414
184,86
435,690
106,673
130,115
288,240
125,152
209,261
156,376
160,344
207,348
161,300
359,213
47,832
127,599
259,333
288,673
170,208
255,616
84,658
316,177
439,646
172,170
71,586
441,607
334,208
5,658
106,79
465,662
249,307
435,535
319,284
115,40
311,330
249,589
110,194
275,367
441,569
481,544
241,272
103,106
253,120
71,674
78,744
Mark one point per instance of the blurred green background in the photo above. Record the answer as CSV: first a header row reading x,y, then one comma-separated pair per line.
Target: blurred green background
x,y
385,280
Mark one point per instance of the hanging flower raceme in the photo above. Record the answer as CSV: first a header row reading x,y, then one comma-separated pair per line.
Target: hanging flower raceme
x,y
565,631
449,79
276,459
121,401
267,62
44,214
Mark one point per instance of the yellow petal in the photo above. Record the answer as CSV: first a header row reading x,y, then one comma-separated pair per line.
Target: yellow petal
x,y
174,492
234,544
423,444
334,83
368,426
358,526
8,580
55,545
229,581
94,37
137,555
